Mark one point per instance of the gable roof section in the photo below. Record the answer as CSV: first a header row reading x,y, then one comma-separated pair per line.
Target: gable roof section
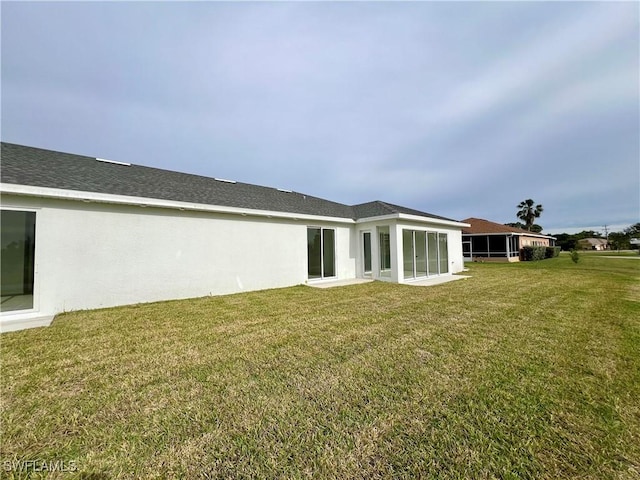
x,y
378,208
480,226
37,167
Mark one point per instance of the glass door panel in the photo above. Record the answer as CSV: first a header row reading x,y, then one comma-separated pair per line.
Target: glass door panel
x,y
385,251
314,253
18,232
432,253
407,253
421,253
328,253
444,253
366,248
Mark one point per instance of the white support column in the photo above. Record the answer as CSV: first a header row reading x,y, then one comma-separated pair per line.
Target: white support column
x,y
395,233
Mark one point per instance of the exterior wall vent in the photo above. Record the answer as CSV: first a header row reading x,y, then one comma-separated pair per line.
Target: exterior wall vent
x,y
104,160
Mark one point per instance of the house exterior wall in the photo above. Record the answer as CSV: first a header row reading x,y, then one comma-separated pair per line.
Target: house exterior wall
x,y
454,244
490,254
454,238
533,241
93,255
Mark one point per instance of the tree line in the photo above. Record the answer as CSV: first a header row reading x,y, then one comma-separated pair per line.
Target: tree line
x,y
528,212
617,240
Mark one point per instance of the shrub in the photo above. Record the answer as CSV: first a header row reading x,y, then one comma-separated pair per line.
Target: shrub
x,y
552,252
533,253
575,256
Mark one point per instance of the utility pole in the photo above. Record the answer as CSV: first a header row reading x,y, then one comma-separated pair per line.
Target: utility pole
x,y
606,236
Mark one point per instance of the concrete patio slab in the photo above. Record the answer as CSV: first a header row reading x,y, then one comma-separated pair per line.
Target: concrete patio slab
x,y
436,280
427,282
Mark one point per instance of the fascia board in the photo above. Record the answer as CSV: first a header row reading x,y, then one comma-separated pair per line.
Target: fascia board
x,y
536,235
413,218
83,196
437,221
381,218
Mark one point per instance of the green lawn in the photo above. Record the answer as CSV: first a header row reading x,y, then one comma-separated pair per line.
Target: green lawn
x,y
522,371
608,253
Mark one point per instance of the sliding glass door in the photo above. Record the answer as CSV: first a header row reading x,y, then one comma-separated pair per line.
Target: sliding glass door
x,y
18,232
424,253
384,246
421,253
321,258
432,246
366,253
443,252
407,254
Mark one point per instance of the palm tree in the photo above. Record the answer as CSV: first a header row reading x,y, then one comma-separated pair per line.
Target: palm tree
x,y
528,213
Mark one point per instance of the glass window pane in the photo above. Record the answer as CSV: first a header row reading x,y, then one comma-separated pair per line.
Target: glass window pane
x,y
443,252
18,250
421,253
366,239
314,251
385,250
432,253
407,252
328,252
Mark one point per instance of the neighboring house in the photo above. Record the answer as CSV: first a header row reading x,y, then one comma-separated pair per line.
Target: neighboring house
x,y
490,241
81,233
593,244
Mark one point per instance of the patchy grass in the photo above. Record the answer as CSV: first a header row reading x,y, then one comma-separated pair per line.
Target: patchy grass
x,y
527,370
607,253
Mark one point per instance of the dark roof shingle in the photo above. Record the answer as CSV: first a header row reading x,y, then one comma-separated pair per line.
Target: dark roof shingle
x,y
45,168
378,208
38,167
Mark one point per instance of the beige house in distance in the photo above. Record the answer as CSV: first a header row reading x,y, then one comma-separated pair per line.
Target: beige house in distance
x,y
489,241
593,244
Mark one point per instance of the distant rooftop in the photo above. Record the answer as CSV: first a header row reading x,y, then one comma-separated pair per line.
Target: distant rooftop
x,y
481,226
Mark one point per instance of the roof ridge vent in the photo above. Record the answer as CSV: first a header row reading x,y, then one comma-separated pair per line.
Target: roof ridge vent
x,y
284,190
104,160
224,180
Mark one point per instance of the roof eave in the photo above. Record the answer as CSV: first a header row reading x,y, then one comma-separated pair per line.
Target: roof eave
x,y
413,218
524,234
84,196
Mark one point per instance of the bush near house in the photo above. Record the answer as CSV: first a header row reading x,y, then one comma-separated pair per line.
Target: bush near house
x,y
552,252
533,253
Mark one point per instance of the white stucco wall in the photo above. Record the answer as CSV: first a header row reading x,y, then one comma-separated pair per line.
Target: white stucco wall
x,y
454,242
92,255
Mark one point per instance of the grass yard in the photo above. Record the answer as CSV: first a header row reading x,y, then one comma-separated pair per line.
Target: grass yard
x,y
522,371
608,253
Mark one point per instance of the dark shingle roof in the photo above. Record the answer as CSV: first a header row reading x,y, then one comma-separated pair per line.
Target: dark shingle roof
x,y
378,208
45,168
38,167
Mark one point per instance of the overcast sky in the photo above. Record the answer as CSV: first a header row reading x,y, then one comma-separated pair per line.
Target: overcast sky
x,y
458,109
